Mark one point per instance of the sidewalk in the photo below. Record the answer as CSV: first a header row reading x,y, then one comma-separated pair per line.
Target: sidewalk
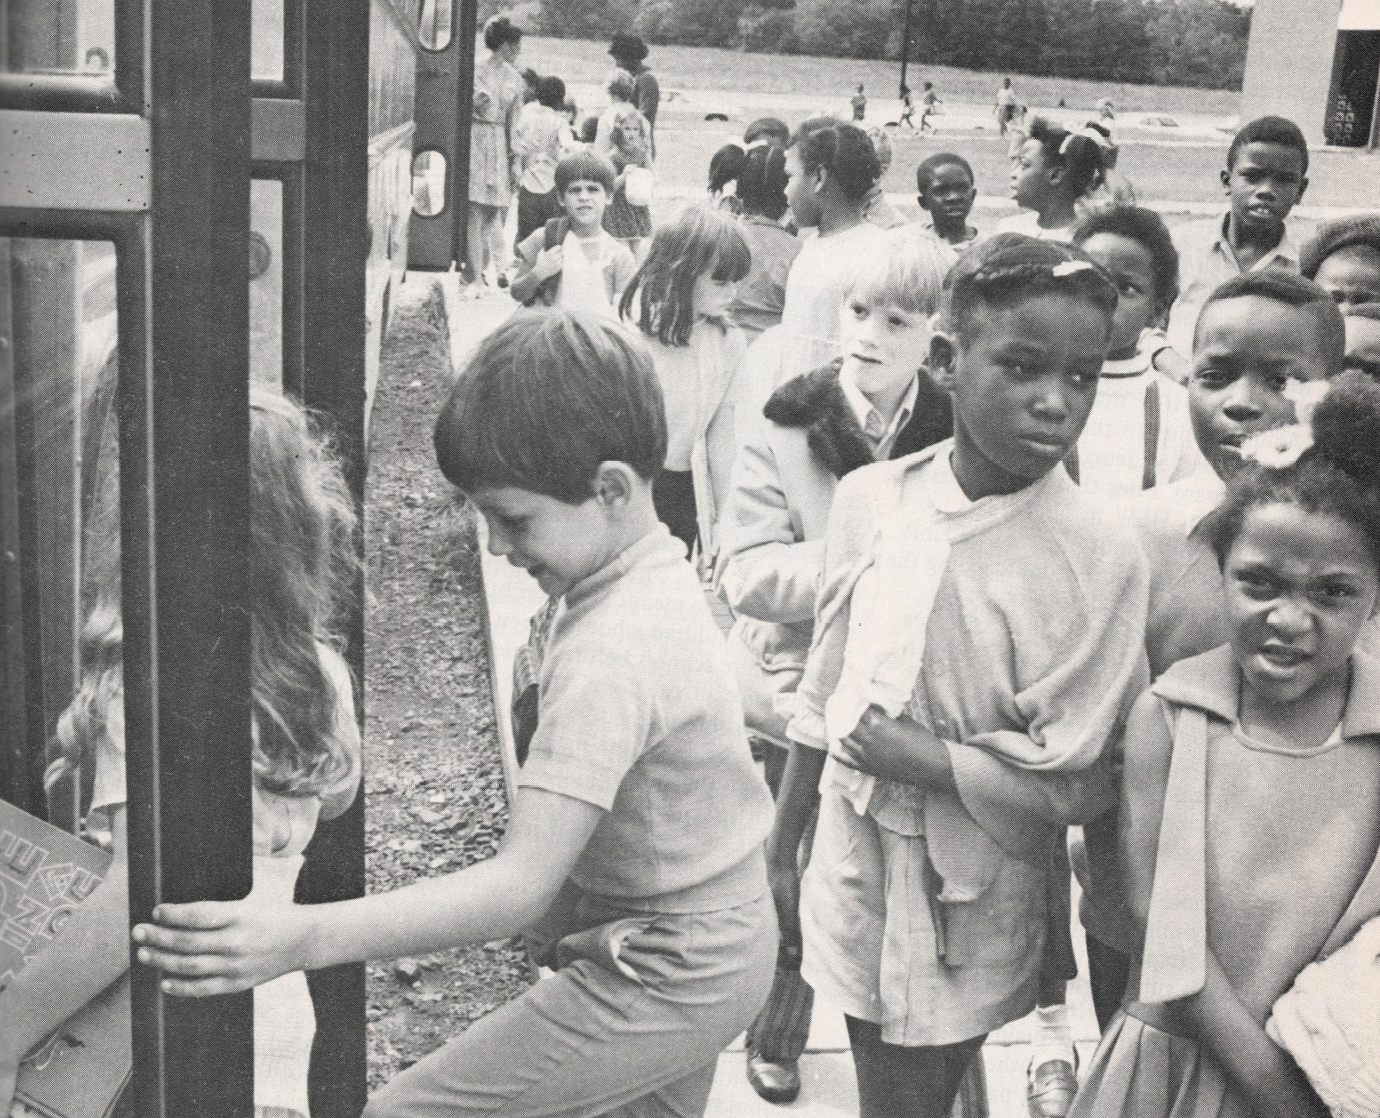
x,y
828,1089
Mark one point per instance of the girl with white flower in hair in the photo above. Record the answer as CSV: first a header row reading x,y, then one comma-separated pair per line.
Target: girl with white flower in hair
x,y
1251,795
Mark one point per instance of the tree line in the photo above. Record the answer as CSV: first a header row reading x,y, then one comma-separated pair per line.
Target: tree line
x,y
1199,43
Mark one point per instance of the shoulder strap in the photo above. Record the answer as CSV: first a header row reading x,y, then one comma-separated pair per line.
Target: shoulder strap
x,y
1152,433
1175,956
555,231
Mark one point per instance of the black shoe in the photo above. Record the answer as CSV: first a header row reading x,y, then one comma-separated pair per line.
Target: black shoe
x,y
778,1083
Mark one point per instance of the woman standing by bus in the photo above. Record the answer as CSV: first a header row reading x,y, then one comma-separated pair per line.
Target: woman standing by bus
x,y
494,169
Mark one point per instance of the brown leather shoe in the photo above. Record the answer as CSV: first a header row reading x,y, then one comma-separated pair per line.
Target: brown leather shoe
x,y
773,1082
1050,1088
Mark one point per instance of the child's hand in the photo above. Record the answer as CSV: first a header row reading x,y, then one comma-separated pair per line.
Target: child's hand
x,y
549,262
881,746
221,947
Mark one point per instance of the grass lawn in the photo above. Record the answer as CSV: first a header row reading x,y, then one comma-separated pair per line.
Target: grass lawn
x,y
581,61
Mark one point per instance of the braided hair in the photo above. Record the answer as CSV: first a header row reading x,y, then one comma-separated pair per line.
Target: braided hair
x,y
1010,268
759,174
842,150
1339,475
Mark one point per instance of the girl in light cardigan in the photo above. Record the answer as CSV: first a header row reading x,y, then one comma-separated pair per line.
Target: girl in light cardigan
x,y
978,639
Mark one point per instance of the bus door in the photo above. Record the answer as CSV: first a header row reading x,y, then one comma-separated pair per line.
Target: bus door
x,y
440,146
136,305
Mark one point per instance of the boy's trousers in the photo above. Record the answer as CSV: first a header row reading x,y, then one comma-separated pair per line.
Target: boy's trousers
x,y
631,1024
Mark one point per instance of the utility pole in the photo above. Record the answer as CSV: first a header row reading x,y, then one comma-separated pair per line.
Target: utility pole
x,y
905,46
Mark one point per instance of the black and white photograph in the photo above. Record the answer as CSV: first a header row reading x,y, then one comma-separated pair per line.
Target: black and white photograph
x,y
690,558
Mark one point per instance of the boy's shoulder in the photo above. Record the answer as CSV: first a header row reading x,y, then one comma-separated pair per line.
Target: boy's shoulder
x,y
1198,236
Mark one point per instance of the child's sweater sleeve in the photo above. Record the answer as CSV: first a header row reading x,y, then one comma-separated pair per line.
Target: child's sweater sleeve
x,y
1059,770
850,523
770,573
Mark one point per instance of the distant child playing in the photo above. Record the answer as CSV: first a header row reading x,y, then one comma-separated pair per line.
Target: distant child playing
x,y
946,192
1252,780
931,100
957,711
1265,178
635,844
306,746
679,301
1052,172
1139,434
572,262
872,403
907,108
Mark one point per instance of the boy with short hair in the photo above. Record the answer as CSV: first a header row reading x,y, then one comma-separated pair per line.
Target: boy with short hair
x,y
1265,178
931,100
571,262
634,848
946,192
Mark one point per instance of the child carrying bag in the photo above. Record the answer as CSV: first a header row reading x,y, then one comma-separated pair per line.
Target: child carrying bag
x,y
553,234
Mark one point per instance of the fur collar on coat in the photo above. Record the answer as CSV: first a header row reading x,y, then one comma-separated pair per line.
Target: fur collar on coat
x,y
815,402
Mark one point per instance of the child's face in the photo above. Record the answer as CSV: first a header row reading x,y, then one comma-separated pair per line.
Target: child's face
x,y
1363,346
584,201
1030,185
800,192
1132,268
882,346
556,543
949,195
1351,276
1023,380
1299,586
630,131
1264,184
710,297
1245,351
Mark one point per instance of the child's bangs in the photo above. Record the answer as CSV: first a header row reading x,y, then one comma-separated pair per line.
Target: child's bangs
x,y
909,278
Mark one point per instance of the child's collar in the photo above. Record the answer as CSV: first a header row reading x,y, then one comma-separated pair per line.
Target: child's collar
x,y
1211,682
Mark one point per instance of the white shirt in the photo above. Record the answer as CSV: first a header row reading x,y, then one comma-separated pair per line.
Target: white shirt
x,y
880,434
1111,450
1206,261
1027,222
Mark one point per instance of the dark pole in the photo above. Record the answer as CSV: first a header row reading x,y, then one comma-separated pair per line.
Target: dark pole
x,y
905,46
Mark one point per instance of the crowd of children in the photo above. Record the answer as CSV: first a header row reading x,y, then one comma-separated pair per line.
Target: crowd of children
x,y
1056,546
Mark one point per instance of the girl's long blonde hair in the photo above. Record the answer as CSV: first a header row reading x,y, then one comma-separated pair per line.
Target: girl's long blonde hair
x,y
304,570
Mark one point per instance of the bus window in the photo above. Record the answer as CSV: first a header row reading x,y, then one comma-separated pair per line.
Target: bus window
x,y
266,46
428,183
60,37
434,24
59,492
266,282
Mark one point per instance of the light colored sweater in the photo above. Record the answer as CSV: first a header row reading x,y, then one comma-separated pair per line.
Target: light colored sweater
x,y
1033,654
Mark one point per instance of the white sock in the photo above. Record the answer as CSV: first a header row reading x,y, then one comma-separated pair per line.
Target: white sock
x,y
1052,1039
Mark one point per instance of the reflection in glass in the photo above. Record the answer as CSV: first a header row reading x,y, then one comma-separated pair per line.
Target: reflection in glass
x,y
266,45
433,25
266,282
428,183
59,328
59,36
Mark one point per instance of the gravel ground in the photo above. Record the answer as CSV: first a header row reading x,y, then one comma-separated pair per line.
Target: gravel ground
x,y
433,778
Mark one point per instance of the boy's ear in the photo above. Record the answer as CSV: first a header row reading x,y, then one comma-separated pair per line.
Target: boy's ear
x,y
1303,186
943,359
614,484
821,178
1226,179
